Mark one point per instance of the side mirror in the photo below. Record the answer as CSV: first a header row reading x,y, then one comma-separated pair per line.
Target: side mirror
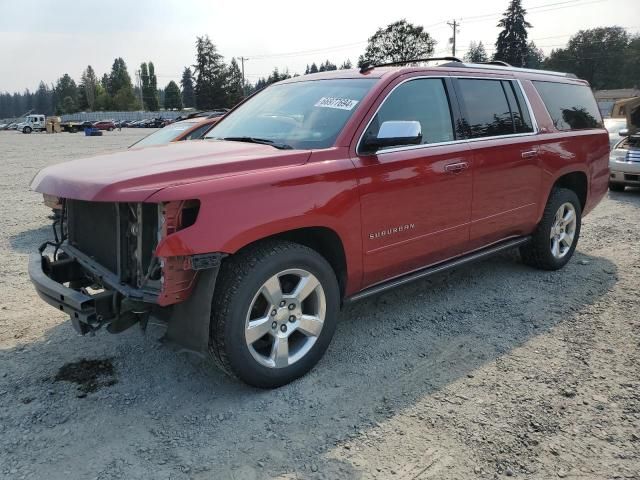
x,y
624,132
395,133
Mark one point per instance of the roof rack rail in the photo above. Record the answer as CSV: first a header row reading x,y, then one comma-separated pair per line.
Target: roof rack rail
x,y
496,62
369,66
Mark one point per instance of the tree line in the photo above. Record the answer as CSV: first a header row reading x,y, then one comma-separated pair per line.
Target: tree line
x,y
608,57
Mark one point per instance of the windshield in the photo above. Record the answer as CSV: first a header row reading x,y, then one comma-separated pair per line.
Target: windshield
x,y
301,115
165,135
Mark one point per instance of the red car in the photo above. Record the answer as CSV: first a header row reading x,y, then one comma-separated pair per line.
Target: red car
x,y
318,191
105,125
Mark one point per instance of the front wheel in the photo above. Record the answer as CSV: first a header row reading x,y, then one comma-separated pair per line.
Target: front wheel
x,y
274,313
556,237
26,130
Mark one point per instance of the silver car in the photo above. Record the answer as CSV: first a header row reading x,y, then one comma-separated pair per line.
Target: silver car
x,y
624,164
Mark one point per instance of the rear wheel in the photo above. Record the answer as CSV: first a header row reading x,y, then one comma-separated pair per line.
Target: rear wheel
x,y
616,187
556,237
26,130
274,313
110,129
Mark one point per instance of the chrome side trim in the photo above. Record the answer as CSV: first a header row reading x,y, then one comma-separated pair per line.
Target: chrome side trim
x,y
453,142
439,267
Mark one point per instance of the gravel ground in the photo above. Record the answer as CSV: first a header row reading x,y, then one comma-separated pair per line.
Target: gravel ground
x,y
490,371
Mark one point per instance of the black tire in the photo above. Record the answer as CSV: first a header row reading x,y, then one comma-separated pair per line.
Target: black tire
x,y
616,187
111,129
538,252
26,130
240,278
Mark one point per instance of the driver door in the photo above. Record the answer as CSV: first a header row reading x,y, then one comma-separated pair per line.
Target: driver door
x,y
415,199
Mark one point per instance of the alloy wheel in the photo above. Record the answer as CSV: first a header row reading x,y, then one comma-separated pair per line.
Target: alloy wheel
x,y
285,318
563,230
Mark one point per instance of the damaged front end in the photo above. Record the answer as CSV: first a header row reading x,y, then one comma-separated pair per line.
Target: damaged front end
x,y
102,269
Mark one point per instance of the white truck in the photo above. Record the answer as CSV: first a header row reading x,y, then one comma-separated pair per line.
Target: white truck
x,y
34,122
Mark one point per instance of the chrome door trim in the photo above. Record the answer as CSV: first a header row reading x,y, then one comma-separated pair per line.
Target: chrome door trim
x,y
534,123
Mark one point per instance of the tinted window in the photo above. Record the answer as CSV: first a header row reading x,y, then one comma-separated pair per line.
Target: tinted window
x,y
521,117
422,100
487,110
572,107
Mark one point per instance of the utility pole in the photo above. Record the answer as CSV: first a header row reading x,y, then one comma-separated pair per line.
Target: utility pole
x,y
242,59
454,25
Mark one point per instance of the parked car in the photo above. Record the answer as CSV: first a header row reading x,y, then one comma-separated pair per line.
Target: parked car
x,y
318,191
624,161
108,125
614,126
185,130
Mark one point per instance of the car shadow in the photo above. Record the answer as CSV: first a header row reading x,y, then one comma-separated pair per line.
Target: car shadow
x,y
630,195
29,240
171,413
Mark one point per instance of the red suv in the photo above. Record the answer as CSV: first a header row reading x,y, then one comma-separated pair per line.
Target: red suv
x,y
318,191
105,125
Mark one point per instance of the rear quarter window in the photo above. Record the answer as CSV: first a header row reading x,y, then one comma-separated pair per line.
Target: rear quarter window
x,y
571,107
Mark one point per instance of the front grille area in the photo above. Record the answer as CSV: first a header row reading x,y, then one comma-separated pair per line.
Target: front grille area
x,y
92,227
120,237
633,155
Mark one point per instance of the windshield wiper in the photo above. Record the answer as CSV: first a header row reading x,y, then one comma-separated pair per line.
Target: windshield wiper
x,y
261,141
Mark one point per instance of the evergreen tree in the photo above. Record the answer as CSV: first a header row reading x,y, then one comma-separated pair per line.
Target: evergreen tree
x,y
535,56
120,89
314,68
399,41
89,82
42,100
511,46
346,65
154,104
327,66
234,85
149,87
188,93
211,75
476,53
172,97
67,94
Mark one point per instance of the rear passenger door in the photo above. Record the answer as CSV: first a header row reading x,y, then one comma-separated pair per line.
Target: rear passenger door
x,y
506,176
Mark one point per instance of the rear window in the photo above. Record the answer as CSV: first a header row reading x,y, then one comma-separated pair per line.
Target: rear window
x,y
572,107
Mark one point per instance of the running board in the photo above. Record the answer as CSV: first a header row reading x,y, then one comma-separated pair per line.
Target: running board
x,y
440,267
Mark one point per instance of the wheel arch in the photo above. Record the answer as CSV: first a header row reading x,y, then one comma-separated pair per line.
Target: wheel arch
x,y
323,240
578,182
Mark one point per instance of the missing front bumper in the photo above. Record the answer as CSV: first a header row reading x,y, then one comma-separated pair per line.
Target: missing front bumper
x,y
87,312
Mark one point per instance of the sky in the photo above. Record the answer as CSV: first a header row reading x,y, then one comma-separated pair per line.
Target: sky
x,y
43,39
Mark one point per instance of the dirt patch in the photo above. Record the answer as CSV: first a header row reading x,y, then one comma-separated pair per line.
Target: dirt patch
x,y
89,375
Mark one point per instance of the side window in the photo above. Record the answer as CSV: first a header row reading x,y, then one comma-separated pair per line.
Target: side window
x,y
487,109
424,100
572,107
521,119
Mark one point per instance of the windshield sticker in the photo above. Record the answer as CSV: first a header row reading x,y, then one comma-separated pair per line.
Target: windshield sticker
x,y
335,102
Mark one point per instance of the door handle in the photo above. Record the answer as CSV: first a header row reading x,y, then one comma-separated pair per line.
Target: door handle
x,y
456,167
530,154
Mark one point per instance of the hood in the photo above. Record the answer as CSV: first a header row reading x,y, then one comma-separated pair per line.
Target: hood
x,y
134,175
628,108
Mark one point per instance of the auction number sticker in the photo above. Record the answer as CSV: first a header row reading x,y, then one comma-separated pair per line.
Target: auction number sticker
x,y
336,102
